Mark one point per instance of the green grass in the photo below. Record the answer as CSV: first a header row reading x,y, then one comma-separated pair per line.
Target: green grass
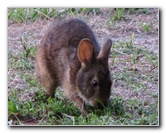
x,y
115,14
147,27
57,111
139,10
28,103
119,13
23,15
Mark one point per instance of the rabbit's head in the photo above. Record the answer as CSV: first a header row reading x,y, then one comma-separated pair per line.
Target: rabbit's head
x,y
93,80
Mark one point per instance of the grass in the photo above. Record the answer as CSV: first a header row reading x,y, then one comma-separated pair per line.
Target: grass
x,y
138,10
54,111
136,75
119,13
147,27
23,15
116,15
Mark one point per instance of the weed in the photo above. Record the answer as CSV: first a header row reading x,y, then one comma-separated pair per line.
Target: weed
x,y
29,49
117,106
87,11
23,15
130,44
119,13
139,10
18,15
45,12
95,11
113,60
147,27
12,105
152,59
111,20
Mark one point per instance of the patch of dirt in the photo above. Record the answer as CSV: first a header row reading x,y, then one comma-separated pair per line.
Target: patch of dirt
x,y
123,30
25,121
32,31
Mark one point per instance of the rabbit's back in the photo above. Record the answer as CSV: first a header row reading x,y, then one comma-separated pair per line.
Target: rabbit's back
x,y
59,48
68,33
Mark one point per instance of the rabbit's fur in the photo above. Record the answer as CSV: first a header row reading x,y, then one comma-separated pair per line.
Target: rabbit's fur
x,y
69,56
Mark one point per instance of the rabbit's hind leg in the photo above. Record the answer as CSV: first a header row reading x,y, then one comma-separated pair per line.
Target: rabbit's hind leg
x,y
45,77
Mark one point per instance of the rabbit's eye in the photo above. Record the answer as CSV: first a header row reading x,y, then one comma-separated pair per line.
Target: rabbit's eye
x,y
94,83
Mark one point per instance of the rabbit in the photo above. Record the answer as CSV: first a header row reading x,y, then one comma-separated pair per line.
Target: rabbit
x,y
70,56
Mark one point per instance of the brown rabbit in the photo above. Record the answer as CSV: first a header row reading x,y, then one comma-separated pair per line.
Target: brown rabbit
x,y
69,55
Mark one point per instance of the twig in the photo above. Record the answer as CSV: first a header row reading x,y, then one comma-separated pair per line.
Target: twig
x,y
71,117
152,68
42,119
44,15
17,119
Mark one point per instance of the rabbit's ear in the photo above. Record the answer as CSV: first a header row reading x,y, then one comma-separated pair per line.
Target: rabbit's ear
x,y
85,50
104,53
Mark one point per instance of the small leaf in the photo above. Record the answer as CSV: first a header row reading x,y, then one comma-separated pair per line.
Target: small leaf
x,y
28,52
132,36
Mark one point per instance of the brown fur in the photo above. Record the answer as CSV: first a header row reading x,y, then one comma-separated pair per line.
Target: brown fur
x,y
70,56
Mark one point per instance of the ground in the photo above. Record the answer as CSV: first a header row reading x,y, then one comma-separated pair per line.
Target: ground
x,y
133,63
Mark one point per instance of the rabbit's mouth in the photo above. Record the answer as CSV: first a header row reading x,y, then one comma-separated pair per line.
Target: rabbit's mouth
x,y
91,102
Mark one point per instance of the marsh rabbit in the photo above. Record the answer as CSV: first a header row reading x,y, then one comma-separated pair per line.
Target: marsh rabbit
x,y
69,56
